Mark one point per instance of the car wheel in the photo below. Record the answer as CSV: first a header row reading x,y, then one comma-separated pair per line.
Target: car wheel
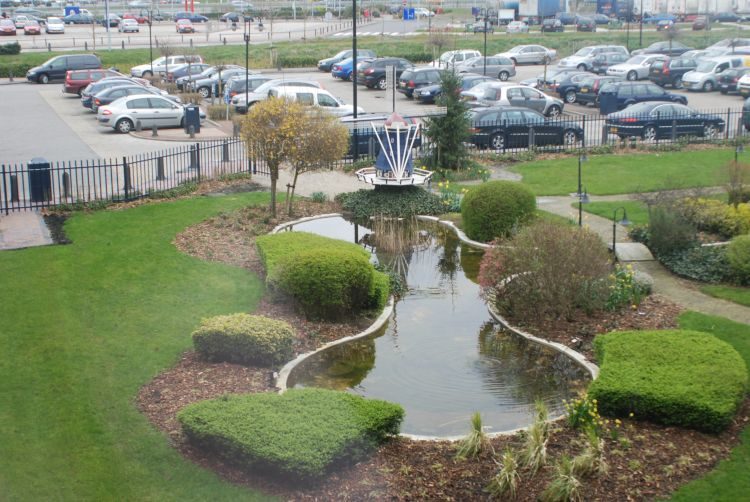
x,y
632,75
581,67
708,86
570,138
677,83
649,133
724,92
80,92
204,92
381,84
146,74
124,126
709,131
503,76
554,111
570,96
43,78
497,141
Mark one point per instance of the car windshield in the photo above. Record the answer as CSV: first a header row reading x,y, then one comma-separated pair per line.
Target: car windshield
x,y
55,20
639,108
636,60
705,67
584,52
586,82
340,54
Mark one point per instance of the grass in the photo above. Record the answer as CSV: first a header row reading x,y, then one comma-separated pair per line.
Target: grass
x,y
734,294
729,481
637,211
620,174
85,327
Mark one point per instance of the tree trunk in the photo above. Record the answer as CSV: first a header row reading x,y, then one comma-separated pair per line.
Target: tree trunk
x,y
291,195
274,178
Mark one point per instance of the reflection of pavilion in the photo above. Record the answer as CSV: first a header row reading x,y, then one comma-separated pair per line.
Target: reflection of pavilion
x,y
394,165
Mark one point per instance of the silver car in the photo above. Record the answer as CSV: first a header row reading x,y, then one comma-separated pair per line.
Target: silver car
x,y
123,114
583,59
635,68
261,93
529,54
499,66
499,94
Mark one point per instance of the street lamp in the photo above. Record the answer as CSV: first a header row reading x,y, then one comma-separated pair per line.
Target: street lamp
x,y
485,43
583,197
150,40
640,34
354,77
624,222
247,25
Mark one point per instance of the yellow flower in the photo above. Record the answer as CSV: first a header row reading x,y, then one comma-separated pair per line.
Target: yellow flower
x,y
631,415
634,307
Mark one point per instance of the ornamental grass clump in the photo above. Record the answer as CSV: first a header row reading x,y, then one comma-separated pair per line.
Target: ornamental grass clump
x,y
565,487
505,482
592,460
475,442
534,454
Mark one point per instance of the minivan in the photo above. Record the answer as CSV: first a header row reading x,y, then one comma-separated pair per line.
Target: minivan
x,y
57,67
313,96
703,78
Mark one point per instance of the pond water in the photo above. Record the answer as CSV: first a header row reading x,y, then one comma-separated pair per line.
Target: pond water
x,y
440,356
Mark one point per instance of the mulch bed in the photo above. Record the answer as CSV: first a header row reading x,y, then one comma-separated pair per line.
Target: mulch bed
x,y
646,461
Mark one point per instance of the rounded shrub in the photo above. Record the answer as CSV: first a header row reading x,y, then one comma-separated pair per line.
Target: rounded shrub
x,y
495,208
244,339
738,255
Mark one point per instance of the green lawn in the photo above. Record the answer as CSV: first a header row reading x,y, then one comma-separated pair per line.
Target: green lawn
x,y
637,212
84,326
734,294
730,481
619,174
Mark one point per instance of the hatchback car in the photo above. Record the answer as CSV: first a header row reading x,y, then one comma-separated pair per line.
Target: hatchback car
x,y
128,26
242,101
615,96
123,114
585,24
78,19
77,80
54,25
656,120
343,69
529,54
491,94
483,27
517,27
493,66
237,85
207,86
372,73
185,69
184,26
32,28
7,27
583,58
700,23
88,92
587,92
107,96
514,127
416,78
670,71
635,68
552,25
728,79
603,61
665,25
327,64
429,93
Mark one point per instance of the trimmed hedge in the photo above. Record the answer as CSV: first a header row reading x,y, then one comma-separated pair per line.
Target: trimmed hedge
x,y
244,339
301,434
273,248
738,256
391,201
673,377
10,49
495,209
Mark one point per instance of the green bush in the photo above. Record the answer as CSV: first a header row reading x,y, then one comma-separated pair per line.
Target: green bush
x,y
669,231
738,256
244,339
10,49
496,209
219,112
716,216
273,248
673,377
299,435
701,263
390,201
380,289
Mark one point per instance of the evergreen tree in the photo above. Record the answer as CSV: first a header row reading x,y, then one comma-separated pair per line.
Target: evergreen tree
x,y
447,133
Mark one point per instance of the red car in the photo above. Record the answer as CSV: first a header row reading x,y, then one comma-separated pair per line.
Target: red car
x,y
140,19
32,28
185,26
7,27
77,80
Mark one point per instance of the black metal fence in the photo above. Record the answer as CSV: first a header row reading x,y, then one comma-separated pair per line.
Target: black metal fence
x,y
41,183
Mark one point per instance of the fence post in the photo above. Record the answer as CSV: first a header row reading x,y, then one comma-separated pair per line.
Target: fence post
x,y
15,195
605,135
583,128
674,130
198,160
532,137
729,118
225,151
66,185
160,169
5,192
126,174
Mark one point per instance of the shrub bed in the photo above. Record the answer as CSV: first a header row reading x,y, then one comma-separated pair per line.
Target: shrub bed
x,y
716,216
673,377
244,339
301,434
701,263
390,201
738,256
495,209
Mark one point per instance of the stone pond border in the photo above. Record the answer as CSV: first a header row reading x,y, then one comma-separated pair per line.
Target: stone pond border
x,y
283,375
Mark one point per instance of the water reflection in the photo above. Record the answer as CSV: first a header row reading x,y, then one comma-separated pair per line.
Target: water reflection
x,y
440,355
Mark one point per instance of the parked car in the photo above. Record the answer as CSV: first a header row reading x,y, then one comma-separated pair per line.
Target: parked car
x,y
453,58
185,82
183,70
191,16
517,27
88,92
587,91
208,86
416,78
372,73
510,127
659,17
184,26
703,77
700,23
529,54
601,18
78,19
602,62
241,105
429,93
499,66
32,28
141,18
635,68
727,80
230,17
615,96
725,17
7,27
567,87
77,80
236,85
159,66
665,25
344,69
20,21
666,48
491,94
730,43
660,119
552,25
483,27
746,114
54,25
128,26
327,64
111,94
585,24
583,58
669,71
114,21
313,96
743,86
122,114
57,67
566,18
553,78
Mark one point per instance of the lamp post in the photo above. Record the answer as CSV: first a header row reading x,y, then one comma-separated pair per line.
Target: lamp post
x,y
484,59
640,34
583,197
354,77
247,24
150,40
624,222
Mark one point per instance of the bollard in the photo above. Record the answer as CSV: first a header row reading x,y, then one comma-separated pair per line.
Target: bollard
x,y
10,75
674,130
154,132
225,152
160,169
193,158
191,131
14,197
66,185
225,40
532,137
86,45
138,126
235,129
191,43
49,47
123,45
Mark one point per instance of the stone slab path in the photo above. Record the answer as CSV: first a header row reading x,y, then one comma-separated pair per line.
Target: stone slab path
x,y
22,230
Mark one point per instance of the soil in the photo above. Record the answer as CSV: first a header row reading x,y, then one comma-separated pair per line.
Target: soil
x,y
55,223
646,461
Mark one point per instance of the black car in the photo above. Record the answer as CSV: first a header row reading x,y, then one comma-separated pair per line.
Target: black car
x,y
656,120
482,27
107,96
184,70
726,17
430,93
670,71
416,78
554,25
230,17
567,18
727,80
514,127
667,48
588,89
585,24
193,17
326,64
615,96
554,77
372,73
87,94
78,19
601,18
601,62
567,86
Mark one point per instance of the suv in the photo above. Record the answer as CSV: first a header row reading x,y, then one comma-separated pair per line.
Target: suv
x,y
416,78
601,62
584,58
615,96
76,80
327,64
372,73
552,25
670,71
162,64
57,67
499,94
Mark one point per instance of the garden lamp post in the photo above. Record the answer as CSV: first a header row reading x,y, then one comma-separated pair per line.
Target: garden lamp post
x,y
624,222
484,59
583,197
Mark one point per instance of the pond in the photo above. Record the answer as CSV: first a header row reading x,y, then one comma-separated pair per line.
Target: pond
x,y
441,355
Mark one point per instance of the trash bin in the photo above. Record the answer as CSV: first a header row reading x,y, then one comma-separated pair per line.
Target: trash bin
x,y
192,118
40,180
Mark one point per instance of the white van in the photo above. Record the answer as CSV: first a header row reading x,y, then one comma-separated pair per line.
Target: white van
x,y
313,96
703,78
